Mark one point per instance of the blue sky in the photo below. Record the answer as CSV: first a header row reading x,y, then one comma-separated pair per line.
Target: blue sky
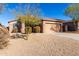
x,y
53,10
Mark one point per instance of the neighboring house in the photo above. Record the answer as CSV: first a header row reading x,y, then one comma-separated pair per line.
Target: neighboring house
x,y
72,25
48,26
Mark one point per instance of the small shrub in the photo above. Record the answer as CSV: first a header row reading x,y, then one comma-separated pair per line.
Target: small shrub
x,y
37,29
28,29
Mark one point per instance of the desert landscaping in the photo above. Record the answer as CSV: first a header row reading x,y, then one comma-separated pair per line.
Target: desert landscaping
x,y
24,31
41,44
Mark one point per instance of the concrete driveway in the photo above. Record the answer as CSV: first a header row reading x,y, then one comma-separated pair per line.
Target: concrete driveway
x,y
68,35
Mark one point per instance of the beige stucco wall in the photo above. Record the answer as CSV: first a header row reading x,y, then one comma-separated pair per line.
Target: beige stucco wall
x,y
23,28
11,26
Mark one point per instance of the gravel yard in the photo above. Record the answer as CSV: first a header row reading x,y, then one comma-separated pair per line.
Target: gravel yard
x,y
41,45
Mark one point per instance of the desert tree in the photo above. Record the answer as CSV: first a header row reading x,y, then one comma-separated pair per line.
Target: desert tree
x,y
17,12
73,12
32,16
29,14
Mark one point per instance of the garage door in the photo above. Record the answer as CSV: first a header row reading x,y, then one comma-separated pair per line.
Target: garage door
x,y
48,28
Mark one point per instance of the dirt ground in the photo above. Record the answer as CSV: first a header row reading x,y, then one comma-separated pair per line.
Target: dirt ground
x,y
42,45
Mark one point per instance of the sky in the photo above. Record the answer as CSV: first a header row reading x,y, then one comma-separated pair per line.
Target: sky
x,y
49,10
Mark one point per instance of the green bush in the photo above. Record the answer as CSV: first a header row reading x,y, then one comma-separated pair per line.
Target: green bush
x,y
37,29
28,29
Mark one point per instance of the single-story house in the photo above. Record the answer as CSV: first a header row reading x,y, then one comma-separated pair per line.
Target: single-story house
x,y
49,25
